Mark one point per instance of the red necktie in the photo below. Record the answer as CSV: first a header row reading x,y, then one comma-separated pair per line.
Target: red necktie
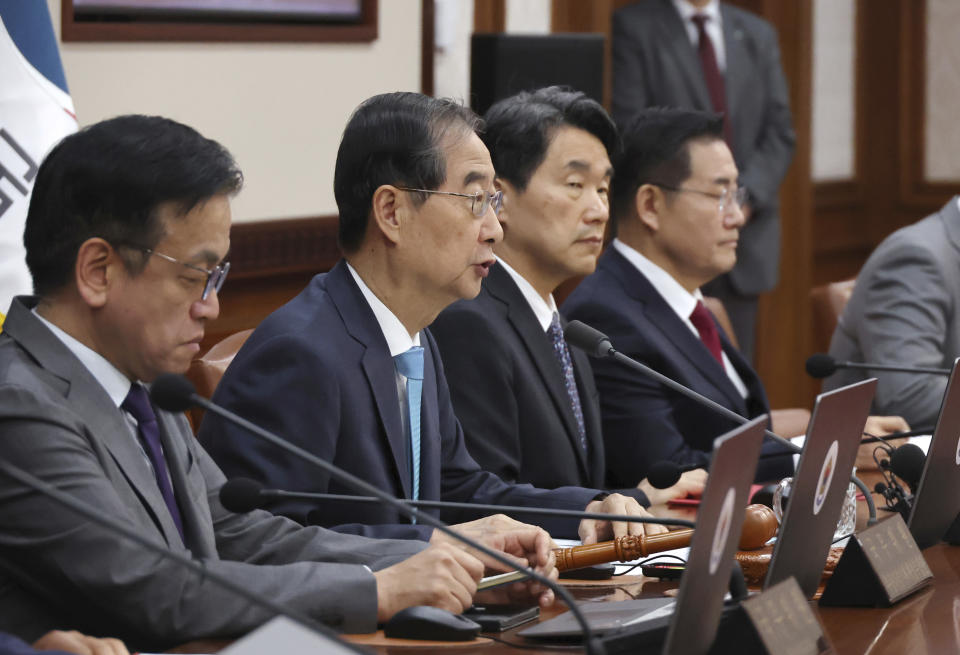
x,y
712,74
702,319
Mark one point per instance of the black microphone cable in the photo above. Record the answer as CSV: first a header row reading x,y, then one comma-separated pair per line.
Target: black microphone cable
x,y
177,394
197,566
597,344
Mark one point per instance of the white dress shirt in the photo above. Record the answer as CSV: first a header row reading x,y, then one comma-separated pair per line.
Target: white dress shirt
x,y
681,301
116,384
713,27
543,309
398,340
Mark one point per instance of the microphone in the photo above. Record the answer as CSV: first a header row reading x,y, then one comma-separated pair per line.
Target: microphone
x,y
822,365
244,495
906,462
598,344
196,566
665,474
872,438
175,393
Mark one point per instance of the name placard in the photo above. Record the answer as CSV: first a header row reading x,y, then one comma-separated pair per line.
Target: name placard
x,y
879,566
779,621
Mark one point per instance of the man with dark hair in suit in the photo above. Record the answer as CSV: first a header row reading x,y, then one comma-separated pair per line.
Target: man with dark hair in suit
x,y
536,417
347,369
708,55
677,206
126,238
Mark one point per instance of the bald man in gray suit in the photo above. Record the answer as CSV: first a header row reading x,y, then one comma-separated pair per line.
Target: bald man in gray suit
x,y
904,311
657,63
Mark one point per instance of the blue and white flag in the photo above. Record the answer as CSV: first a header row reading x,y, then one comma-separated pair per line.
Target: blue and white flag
x,y
35,113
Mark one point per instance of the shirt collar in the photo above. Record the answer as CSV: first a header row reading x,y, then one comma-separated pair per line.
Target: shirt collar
x,y
115,383
398,339
687,11
681,301
543,309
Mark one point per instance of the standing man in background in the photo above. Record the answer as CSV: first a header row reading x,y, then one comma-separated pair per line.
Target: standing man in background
x,y
331,370
701,54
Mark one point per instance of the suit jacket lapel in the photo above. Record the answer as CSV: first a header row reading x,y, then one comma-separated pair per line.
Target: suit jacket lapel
x,y
591,418
521,317
676,39
196,518
87,398
376,362
672,328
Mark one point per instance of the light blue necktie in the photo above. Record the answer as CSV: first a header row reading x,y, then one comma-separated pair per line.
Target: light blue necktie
x,y
410,365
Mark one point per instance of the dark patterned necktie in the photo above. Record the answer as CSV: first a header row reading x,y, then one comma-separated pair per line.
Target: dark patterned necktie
x,y
137,403
562,354
716,86
702,319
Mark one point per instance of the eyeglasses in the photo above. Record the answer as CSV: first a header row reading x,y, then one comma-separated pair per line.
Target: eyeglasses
x,y
481,201
723,198
215,277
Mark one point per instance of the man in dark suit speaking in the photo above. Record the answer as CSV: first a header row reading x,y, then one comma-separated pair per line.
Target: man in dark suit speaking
x,y
536,415
126,235
707,55
347,369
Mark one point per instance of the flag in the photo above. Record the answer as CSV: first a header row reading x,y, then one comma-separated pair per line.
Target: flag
x,y
35,113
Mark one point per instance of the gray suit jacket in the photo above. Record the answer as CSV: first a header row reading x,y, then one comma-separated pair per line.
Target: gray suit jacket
x,y
655,65
57,570
904,311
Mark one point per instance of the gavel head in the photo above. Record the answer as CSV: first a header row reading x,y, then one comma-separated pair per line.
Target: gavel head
x,y
759,525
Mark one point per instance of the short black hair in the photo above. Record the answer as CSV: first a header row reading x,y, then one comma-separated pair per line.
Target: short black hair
x,y
393,138
519,128
108,180
656,151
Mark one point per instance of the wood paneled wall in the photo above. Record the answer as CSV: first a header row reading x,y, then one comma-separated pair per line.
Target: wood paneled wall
x,y
828,229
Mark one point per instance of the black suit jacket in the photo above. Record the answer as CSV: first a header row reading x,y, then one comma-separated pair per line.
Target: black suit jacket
x,y
508,391
643,422
655,65
318,372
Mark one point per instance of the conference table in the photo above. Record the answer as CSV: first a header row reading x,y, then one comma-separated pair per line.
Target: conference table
x,y
925,622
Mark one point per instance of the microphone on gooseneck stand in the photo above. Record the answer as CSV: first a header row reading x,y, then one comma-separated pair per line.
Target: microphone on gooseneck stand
x,y
176,394
665,474
822,365
598,344
244,495
112,525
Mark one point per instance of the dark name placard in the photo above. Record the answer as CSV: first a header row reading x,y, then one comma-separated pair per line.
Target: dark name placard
x,y
784,622
879,566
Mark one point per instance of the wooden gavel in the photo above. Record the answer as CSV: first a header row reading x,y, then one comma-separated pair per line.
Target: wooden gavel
x,y
759,525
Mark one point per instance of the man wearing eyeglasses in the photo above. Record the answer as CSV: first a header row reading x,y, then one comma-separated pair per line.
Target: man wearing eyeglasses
x,y
347,369
677,209
126,236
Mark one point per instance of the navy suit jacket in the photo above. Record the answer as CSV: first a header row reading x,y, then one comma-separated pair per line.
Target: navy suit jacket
x,y
644,422
509,394
319,373
10,645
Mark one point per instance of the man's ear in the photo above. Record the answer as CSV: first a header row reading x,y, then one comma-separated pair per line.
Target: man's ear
x,y
510,194
98,266
389,208
648,203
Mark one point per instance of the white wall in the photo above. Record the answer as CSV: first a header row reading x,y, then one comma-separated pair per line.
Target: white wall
x,y
834,77
279,108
